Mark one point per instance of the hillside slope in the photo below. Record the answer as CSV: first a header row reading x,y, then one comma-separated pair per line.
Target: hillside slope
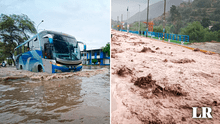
x,y
155,10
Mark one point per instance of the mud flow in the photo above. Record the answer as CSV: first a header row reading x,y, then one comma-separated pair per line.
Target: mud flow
x,y
81,97
154,82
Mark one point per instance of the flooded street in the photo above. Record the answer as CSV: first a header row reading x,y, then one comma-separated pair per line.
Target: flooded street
x,y
154,82
81,97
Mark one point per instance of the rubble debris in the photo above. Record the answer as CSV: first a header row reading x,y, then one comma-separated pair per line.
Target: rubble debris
x,y
157,90
165,60
116,50
144,82
123,71
137,43
182,61
196,49
147,49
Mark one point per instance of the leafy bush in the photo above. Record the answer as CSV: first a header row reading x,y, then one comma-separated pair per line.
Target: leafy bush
x,y
195,31
216,27
202,3
209,36
160,29
94,61
205,22
218,36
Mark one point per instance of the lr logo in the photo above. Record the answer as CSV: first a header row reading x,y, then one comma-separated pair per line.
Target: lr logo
x,y
204,112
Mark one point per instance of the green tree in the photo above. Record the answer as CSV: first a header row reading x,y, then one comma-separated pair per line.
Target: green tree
x,y
158,28
175,19
195,31
106,49
210,36
205,22
202,3
14,30
94,61
216,27
2,55
218,36
174,14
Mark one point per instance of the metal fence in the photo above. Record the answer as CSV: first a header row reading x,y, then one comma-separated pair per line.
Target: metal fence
x,y
177,37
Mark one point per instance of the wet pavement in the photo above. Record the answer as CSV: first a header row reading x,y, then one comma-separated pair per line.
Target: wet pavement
x,y
76,99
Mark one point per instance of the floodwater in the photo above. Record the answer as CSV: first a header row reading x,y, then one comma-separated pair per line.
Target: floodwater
x,y
65,100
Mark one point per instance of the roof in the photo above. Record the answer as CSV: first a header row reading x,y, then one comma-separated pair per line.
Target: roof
x,y
45,31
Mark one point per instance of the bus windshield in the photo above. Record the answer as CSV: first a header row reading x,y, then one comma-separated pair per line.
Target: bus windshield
x,y
65,47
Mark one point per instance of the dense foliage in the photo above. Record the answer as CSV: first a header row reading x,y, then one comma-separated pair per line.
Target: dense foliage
x,y
94,61
14,30
193,19
197,33
106,49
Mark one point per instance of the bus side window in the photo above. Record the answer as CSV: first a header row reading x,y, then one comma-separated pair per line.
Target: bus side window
x,y
48,51
31,45
26,47
42,41
36,43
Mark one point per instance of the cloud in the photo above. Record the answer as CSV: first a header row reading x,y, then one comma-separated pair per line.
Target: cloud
x,y
119,7
88,21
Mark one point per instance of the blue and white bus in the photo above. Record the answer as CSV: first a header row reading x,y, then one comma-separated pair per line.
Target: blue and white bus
x,y
51,52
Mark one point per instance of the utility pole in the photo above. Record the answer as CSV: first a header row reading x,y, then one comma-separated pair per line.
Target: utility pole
x,y
147,17
127,21
164,18
139,21
121,21
117,22
39,24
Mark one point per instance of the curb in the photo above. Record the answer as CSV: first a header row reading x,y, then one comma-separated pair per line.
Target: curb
x,y
204,51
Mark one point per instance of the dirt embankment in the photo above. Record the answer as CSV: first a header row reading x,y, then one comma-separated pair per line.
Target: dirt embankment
x,y
157,82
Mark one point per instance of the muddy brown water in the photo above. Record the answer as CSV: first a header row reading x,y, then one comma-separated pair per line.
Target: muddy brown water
x,y
72,100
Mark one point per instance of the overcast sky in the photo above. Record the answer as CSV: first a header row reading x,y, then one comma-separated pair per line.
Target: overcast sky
x,y
119,7
87,20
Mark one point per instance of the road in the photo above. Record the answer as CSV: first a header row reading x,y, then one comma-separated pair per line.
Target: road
x,y
81,97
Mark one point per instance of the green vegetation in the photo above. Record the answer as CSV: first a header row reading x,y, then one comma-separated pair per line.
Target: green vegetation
x,y
205,22
94,61
216,27
191,19
14,30
135,26
106,49
197,33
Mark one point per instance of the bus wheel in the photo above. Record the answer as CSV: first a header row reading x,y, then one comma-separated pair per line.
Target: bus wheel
x,y
21,67
40,69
